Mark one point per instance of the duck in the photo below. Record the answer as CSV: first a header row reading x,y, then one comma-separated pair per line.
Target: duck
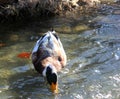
x,y
49,57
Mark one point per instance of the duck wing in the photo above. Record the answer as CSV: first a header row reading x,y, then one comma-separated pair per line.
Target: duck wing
x,y
45,45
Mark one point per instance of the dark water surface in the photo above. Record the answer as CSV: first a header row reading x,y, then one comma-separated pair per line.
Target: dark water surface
x,y
92,45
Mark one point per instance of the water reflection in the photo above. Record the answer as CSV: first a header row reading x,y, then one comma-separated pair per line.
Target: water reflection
x,y
93,67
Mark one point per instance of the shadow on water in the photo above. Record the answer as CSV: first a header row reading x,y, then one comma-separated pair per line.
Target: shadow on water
x,y
92,72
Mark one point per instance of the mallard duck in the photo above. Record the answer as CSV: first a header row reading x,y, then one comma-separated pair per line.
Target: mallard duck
x,y
49,57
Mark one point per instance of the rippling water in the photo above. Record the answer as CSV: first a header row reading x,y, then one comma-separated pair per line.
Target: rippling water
x,y
93,69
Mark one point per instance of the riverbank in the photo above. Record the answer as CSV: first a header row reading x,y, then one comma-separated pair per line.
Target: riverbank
x,y
11,10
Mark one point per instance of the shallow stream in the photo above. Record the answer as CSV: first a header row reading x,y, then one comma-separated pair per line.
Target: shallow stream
x,y
92,45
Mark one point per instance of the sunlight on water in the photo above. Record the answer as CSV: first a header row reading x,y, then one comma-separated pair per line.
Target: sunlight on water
x,y
92,71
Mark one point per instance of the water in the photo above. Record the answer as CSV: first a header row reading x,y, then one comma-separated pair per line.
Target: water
x,y
92,46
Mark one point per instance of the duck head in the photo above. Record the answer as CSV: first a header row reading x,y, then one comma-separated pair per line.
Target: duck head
x,y
50,73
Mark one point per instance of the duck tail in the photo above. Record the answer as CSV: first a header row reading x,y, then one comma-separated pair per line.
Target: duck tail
x,y
52,30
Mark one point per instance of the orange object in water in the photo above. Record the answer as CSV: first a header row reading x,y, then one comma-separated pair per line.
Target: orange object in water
x,y
24,55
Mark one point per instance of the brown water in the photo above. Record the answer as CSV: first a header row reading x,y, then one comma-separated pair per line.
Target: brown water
x,y
92,45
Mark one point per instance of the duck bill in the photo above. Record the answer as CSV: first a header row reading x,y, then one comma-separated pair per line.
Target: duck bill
x,y
54,87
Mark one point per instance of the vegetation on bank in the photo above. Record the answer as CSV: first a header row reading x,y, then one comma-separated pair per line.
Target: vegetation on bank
x,y
17,9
